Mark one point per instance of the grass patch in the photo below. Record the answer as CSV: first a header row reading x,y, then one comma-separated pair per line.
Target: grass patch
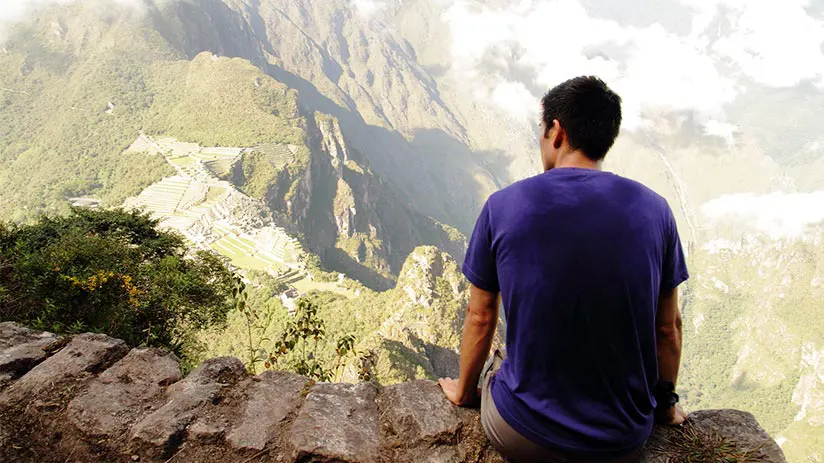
x,y
690,445
183,161
306,286
215,193
241,251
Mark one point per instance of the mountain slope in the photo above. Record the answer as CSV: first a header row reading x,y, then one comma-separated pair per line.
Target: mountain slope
x,y
105,78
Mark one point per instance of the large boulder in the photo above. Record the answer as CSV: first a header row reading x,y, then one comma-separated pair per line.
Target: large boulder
x,y
124,394
21,349
731,433
338,422
271,398
161,432
48,382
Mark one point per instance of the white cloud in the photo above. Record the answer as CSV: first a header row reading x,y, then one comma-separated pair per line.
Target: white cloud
x,y
13,11
16,10
545,42
776,43
367,8
515,99
721,129
776,214
540,43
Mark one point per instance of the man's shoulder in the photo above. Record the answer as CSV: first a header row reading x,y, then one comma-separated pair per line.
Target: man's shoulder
x,y
543,184
642,191
502,200
518,188
638,185
510,189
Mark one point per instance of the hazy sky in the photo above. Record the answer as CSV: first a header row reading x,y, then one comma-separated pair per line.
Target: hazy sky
x,y
12,11
693,55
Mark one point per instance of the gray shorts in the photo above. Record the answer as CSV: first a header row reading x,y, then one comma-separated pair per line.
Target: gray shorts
x,y
511,444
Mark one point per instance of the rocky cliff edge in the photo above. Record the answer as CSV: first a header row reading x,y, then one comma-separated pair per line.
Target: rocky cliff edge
x,y
91,398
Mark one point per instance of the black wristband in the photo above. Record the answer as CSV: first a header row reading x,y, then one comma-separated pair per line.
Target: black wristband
x,y
665,395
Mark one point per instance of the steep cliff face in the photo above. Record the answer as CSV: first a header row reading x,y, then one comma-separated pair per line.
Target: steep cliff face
x,y
425,269
91,398
421,335
358,70
804,437
356,222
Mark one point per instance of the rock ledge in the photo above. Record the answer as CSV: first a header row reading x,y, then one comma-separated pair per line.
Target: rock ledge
x,y
90,398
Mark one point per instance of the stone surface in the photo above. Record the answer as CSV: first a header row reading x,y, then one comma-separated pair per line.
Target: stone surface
x,y
165,428
124,393
207,431
740,429
21,349
338,422
84,355
437,455
12,334
5,379
418,412
134,410
271,397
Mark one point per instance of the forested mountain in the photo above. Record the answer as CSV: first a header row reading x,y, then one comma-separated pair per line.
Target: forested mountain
x,y
317,144
80,85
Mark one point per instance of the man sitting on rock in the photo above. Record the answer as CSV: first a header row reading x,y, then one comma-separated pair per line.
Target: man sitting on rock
x,y
587,264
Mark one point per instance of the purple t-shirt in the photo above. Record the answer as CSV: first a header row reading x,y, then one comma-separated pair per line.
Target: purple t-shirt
x,y
579,257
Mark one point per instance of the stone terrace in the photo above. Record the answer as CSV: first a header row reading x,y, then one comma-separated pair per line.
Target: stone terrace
x,y
91,398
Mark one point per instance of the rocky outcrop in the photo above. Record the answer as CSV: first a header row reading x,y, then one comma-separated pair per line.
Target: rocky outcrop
x,y
91,399
20,350
421,271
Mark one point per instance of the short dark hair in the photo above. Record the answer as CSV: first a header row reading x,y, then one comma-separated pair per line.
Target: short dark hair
x,y
589,112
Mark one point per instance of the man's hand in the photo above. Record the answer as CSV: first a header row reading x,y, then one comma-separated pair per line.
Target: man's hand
x,y
452,389
478,330
673,416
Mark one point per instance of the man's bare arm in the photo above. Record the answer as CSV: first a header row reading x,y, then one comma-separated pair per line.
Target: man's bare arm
x,y
668,327
668,338
478,333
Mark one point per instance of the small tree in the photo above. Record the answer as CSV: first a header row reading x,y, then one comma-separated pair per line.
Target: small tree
x,y
299,346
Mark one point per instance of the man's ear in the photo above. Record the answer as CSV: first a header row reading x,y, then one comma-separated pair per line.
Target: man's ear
x,y
560,134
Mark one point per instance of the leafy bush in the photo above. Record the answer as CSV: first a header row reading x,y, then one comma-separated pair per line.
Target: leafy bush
x,y
111,272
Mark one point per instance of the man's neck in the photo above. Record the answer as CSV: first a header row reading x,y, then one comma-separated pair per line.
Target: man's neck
x,y
577,159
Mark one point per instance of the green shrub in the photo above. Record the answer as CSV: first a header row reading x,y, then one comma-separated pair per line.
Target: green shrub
x,y
110,272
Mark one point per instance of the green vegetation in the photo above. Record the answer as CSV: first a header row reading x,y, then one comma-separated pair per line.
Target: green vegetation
x,y
272,173
242,253
297,348
110,272
805,443
394,335
747,311
258,172
230,103
69,110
